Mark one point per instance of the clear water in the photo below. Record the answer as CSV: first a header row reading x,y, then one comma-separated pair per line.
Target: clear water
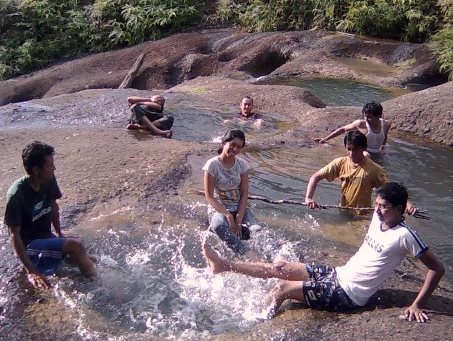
x,y
283,173
337,92
153,282
194,120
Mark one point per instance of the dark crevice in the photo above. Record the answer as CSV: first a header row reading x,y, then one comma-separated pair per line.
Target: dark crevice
x,y
264,63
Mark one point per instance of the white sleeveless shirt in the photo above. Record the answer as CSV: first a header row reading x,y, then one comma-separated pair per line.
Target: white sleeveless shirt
x,y
375,141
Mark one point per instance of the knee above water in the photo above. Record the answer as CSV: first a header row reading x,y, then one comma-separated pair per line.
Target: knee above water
x,y
75,246
280,288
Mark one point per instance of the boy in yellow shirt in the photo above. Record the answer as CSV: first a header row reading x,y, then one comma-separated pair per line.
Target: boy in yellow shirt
x,y
358,175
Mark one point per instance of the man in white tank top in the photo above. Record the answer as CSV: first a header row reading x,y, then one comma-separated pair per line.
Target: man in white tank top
x,y
372,125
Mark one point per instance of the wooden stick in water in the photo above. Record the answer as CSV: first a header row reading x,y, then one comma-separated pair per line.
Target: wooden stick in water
x,y
419,214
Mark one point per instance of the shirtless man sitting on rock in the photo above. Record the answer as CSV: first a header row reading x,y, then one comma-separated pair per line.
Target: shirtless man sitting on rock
x,y
388,241
146,113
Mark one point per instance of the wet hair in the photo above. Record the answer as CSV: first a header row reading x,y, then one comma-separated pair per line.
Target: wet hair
x,y
230,135
373,108
248,97
355,138
394,193
34,155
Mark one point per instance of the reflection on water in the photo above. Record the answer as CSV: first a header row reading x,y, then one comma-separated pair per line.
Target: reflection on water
x,y
424,169
338,92
207,125
367,66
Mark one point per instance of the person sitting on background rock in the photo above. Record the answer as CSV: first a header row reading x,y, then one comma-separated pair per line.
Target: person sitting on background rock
x,y
372,125
146,113
31,209
388,241
358,174
226,188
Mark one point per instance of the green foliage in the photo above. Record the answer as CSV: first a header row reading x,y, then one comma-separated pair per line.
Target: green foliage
x,y
266,15
34,33
408,20
149,19
411,20
442,41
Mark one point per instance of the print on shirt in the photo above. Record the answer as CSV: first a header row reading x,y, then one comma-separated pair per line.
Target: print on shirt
x,y
230,195
39,211
373,244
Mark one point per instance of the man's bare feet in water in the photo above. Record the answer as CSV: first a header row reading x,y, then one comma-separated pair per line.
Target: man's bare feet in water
x,y
216,263
133,126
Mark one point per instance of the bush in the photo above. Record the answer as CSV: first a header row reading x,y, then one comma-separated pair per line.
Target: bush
x,y
411,20
408,20
34,33
443,40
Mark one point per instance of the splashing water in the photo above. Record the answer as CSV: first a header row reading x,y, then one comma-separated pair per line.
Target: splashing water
x,y
156,283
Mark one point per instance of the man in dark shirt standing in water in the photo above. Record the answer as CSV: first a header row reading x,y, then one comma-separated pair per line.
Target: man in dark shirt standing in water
x,y
31,209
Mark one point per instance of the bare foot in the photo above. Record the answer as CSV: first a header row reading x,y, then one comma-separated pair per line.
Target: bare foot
x,y
216,263
133,126
168,134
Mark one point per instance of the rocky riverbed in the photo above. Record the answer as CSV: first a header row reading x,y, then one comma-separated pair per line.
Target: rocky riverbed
x,y
100,163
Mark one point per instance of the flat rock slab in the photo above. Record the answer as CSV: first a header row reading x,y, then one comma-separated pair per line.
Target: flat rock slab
x,y
233,54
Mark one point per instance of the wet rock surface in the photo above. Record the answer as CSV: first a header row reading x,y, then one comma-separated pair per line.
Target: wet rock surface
x,y
99,163
232,54
426,113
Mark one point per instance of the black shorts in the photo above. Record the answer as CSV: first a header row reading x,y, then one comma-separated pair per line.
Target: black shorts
x,y
323,291
138,111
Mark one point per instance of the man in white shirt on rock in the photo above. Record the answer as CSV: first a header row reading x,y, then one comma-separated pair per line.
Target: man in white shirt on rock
x,y
388,241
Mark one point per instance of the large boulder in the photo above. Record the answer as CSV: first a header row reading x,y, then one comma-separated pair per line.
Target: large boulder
x,y
233,54
427,113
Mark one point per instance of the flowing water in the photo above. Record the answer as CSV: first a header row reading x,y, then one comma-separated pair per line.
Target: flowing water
x,y
153,282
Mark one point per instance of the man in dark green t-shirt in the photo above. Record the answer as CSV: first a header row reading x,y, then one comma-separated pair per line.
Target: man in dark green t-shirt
x,y
31,210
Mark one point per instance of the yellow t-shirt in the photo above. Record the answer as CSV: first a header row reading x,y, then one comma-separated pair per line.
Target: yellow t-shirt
x,y
357,182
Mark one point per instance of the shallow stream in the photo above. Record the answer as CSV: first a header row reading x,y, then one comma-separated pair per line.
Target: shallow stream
x,y
153,282
340,92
